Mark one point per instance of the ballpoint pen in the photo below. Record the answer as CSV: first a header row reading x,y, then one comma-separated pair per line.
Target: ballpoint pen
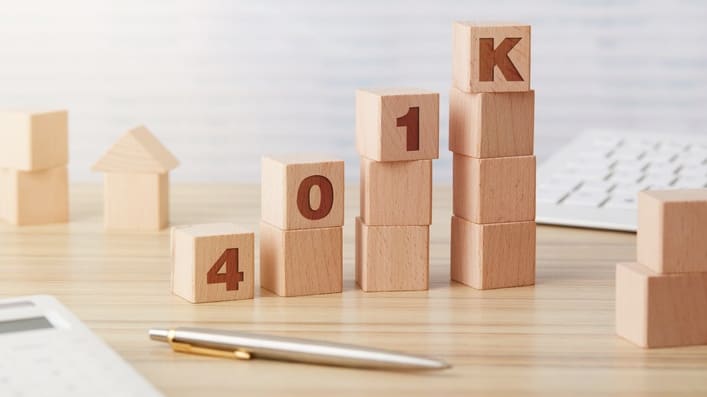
x,y
244,346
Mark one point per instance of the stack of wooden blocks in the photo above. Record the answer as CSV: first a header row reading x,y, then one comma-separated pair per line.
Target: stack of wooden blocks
x,y
662,300
397,136
34,153
491,127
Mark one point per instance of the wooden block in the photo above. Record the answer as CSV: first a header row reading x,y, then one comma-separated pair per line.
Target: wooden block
x,y
494,190
301,262
136,202
302,191
31,141
396,193
137,151
213,262
497,255
672,225
491,124
397,124
660,310
34,197
491,57
392,258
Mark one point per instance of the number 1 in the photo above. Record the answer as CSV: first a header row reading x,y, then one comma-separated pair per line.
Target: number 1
x,y
232,276
411,120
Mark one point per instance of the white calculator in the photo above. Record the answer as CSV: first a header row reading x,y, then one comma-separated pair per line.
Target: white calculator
x,y
46,351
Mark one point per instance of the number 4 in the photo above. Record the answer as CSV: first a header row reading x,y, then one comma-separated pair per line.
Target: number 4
x,y
232,276
411,120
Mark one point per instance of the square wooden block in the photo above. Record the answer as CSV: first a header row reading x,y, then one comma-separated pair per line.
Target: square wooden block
x,y
213,262
491,57
396,193
136,202
660,310
392,258
494,190
301,262
34,197
397,124
498,255
302,191
31,141
491,124
672,230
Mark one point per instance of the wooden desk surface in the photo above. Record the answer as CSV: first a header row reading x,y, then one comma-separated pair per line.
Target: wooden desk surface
x,y
554,338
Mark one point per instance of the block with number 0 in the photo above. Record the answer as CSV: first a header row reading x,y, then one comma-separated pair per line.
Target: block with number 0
x,y
212,262
397,124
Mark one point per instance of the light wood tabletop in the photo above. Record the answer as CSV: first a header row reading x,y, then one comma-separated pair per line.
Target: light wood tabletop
x,y
556,338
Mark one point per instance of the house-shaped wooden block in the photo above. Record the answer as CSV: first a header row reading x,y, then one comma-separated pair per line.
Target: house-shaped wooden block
x,y
136,184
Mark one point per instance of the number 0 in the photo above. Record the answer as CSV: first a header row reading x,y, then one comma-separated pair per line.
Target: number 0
x,y
232,276
411,120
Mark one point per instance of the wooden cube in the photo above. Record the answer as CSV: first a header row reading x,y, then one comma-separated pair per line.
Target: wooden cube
x,y
397,124
672,225
494,190
301,262
396,193
491,124
31,141
660,310
213,262
491,57
392,258
34,197
302,191
497,255
136,202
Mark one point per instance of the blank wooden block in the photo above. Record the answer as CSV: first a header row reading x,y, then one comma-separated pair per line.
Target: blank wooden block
x,y
301,262
672,230
494,190
392,258
31,141
491,124
660,310
491,57
302,191
396,193
34,197
497,255
397,124
213,262
136,202
137,151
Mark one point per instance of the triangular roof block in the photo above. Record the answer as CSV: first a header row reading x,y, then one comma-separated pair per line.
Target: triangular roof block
x,y
138,151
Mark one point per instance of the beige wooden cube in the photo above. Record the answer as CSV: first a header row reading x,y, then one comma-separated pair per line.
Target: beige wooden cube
x,y
212,262
34,197
31,141
397,124
136,202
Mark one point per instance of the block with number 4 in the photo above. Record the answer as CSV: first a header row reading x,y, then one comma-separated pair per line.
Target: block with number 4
x,y
212,262
397,124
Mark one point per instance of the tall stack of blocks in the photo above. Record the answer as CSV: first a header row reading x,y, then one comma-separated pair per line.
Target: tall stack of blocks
x,y
34,153
661,301
301,232
397,136
491,128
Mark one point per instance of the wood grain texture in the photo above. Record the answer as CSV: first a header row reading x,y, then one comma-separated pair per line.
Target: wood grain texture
x,y
396,193
466,37
282,181
301,262
137,151
491,124
498,255
34,140
196,249
672,230
34,197
392,258
378,135
555,339
136,202
660,310
494,190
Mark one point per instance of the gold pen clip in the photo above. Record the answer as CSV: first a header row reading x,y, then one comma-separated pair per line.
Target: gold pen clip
x,y
205,351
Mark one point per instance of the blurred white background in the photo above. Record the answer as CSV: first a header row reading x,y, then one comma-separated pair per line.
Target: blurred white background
x,y
222,82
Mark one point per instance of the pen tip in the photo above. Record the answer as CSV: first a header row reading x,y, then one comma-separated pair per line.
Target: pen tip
x,y
159,334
